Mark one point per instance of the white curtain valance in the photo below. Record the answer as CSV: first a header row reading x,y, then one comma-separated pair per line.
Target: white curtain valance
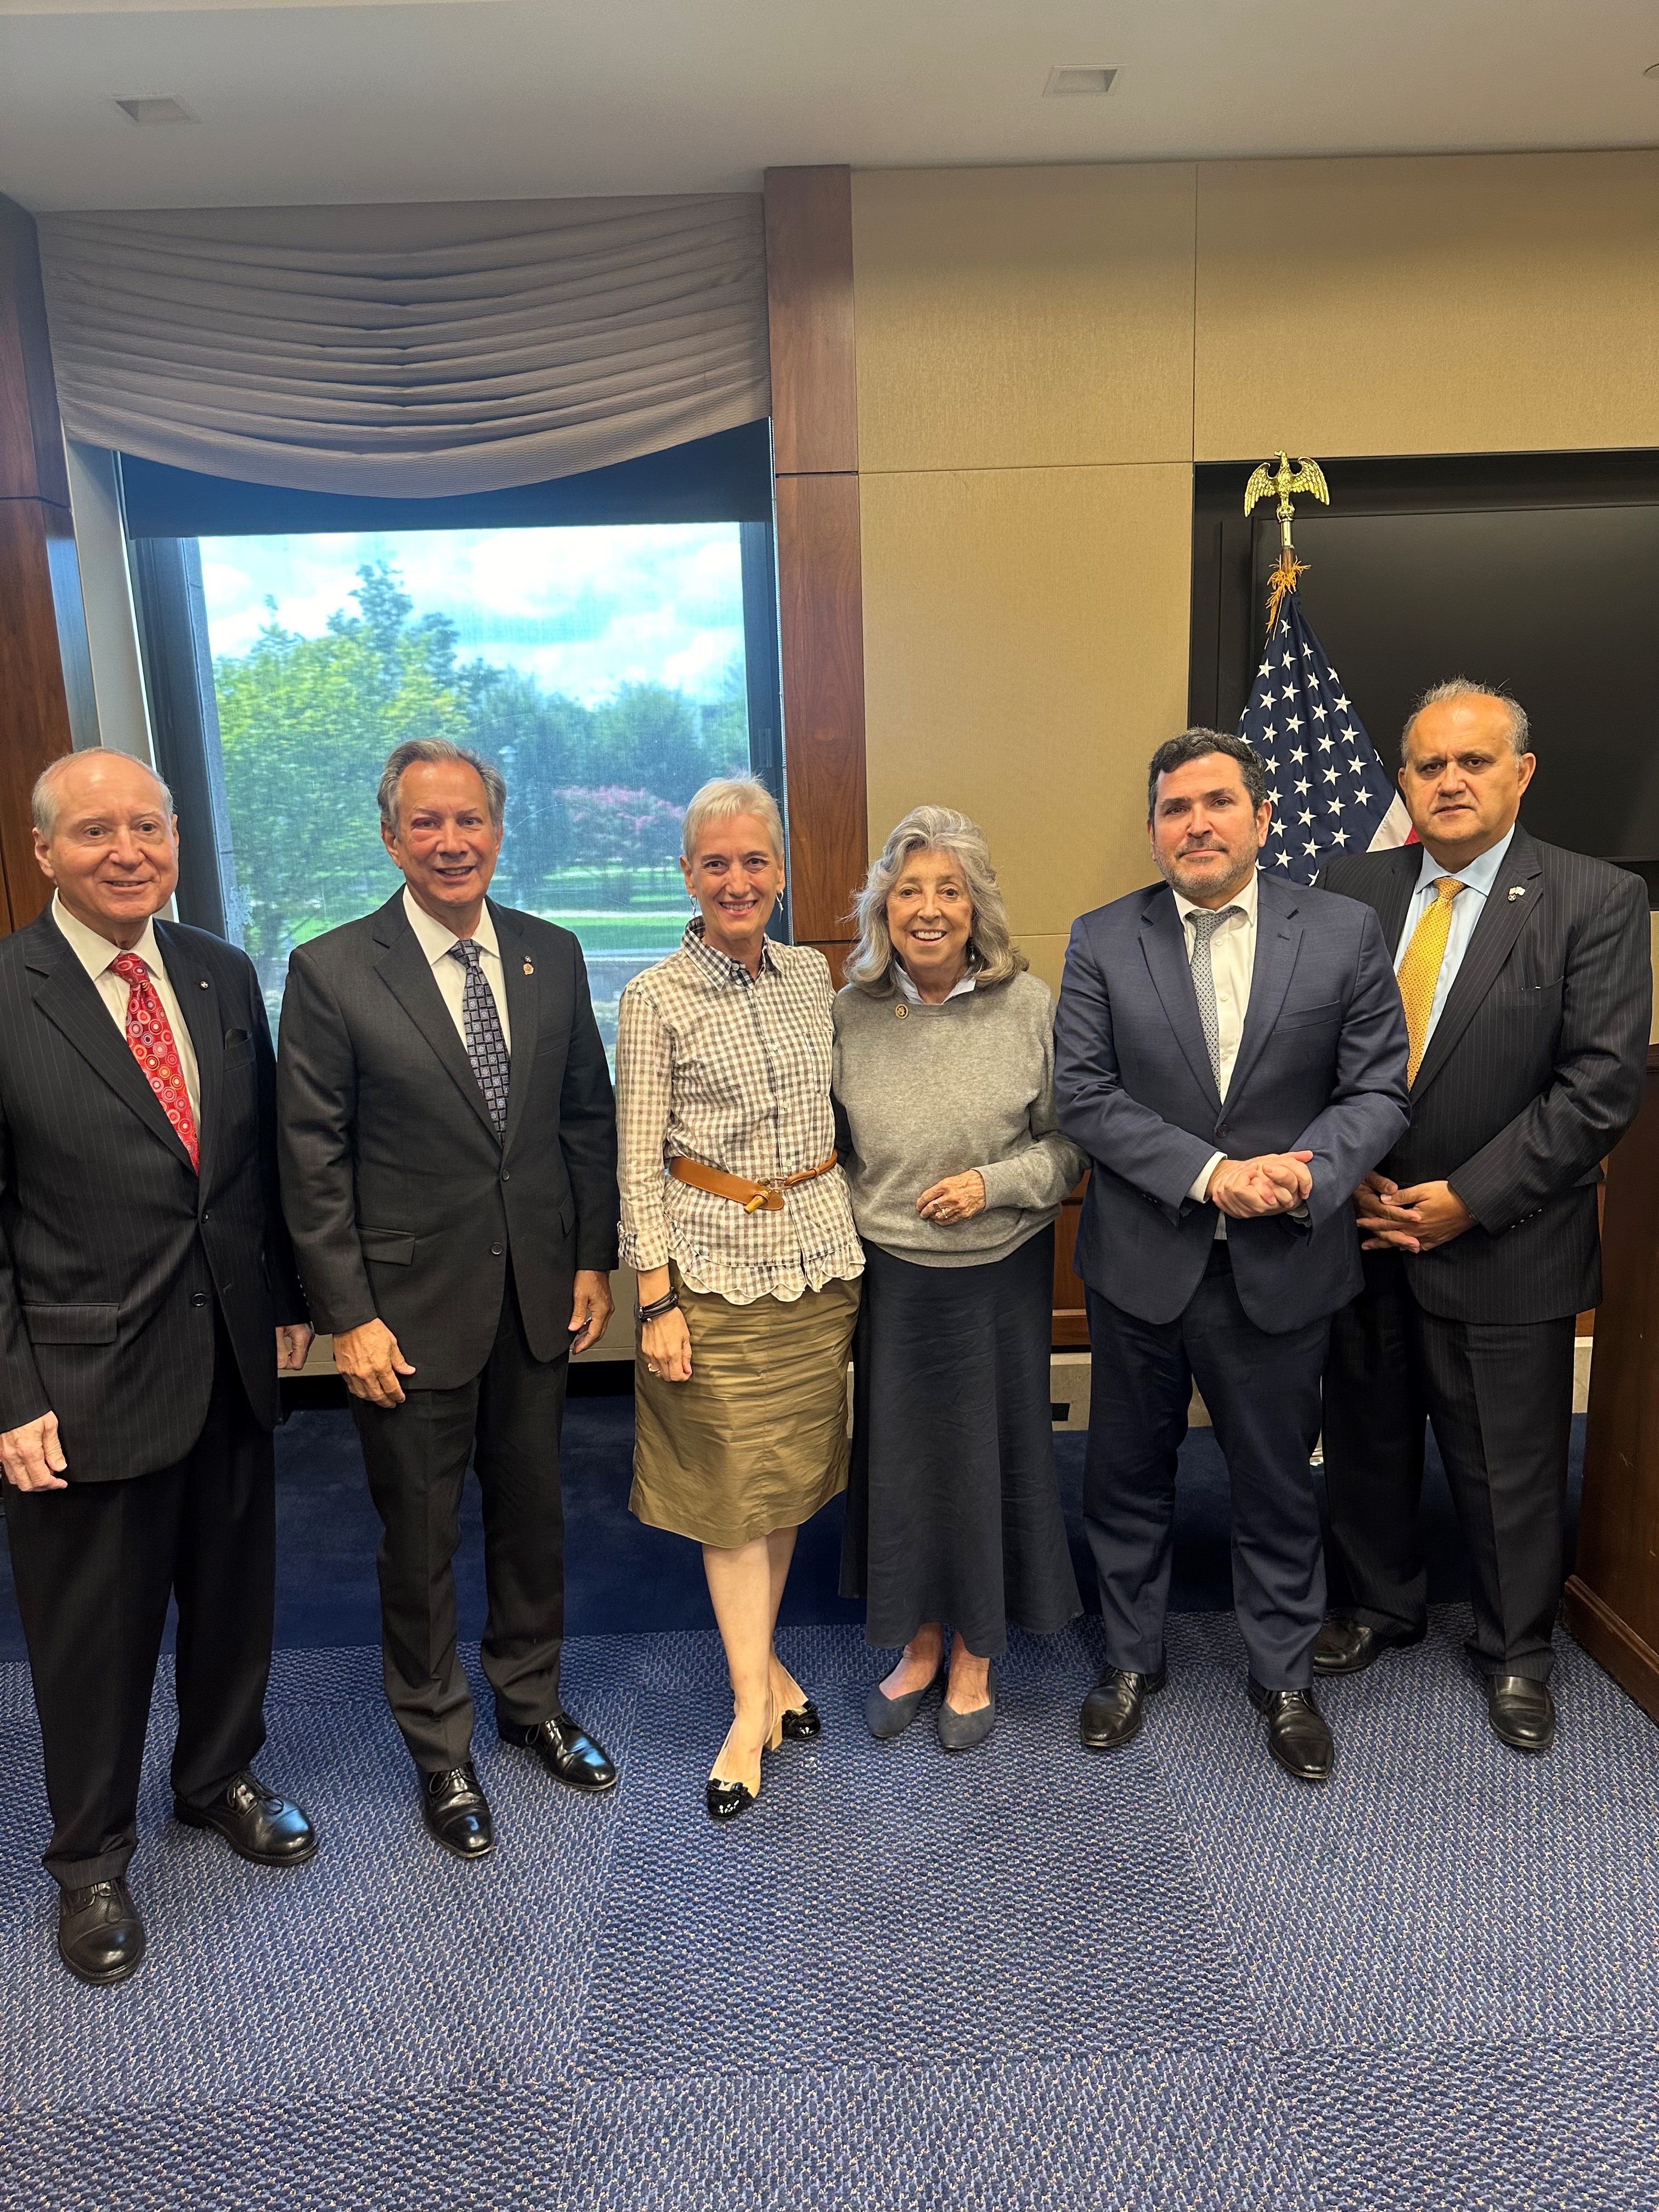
x,y
409,351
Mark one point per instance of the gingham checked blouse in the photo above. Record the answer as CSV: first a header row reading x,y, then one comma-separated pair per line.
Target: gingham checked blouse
x,y
715,1065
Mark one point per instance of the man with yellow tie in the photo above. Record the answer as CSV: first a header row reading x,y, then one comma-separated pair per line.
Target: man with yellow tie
x,y
1524,970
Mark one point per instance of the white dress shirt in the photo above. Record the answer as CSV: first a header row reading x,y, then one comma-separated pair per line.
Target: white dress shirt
x,y
1232,963
1477,879
437,941
95,954
904,984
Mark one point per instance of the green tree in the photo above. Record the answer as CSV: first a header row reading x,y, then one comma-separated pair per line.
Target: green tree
x,y
304,726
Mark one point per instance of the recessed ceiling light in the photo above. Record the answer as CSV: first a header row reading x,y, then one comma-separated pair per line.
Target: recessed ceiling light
x,y
161,108
1075,82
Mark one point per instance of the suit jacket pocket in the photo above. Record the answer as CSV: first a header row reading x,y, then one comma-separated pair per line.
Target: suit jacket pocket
x,y
387,1248
71,1324
1305,1017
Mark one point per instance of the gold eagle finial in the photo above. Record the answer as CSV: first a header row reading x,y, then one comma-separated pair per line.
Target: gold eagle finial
x,y
1305,476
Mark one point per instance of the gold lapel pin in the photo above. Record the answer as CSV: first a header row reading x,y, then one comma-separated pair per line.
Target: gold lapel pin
x,y
1518,891
901,1012
529,967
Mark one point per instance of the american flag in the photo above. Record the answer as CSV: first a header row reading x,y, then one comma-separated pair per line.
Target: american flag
x,y
1330,792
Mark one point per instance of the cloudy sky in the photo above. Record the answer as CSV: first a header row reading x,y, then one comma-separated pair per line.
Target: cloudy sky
x,y
582,610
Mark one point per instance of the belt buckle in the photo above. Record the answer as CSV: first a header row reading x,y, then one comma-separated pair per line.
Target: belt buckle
x,y
771,1187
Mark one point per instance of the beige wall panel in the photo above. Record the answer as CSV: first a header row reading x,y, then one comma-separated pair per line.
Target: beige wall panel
x,y
1025,647
1023,318
1046,955
1481,303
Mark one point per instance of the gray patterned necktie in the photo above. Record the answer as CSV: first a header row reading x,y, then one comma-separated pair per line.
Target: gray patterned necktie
x,y
486,1047
1204,926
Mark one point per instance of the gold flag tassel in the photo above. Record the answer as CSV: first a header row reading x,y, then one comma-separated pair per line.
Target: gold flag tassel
x,y
1306,476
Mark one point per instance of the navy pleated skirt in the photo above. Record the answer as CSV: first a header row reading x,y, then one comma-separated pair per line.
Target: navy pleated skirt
x,y
953,1513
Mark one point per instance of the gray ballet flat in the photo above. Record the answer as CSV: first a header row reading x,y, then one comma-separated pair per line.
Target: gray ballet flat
x,y
890,1716
962,1731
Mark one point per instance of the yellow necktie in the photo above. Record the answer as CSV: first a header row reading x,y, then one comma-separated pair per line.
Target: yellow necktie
x,y
1419,971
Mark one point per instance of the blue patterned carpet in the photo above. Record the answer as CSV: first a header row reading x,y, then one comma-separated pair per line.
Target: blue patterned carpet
x,y
1170,1981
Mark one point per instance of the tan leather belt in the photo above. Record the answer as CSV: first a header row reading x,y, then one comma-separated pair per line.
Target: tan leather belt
x,y
750,1196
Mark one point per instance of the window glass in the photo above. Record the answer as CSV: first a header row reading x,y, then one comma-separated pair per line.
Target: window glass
x,y
602,668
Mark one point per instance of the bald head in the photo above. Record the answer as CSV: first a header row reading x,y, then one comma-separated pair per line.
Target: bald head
x,y
93,770
105,837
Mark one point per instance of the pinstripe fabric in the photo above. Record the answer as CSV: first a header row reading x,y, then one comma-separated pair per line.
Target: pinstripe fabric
x,y
1532,1075
111,1248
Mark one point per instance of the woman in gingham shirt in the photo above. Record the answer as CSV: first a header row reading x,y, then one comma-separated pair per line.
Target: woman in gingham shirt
x,y
738,1222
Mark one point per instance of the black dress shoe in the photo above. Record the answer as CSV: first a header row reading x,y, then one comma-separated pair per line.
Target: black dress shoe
x,y
456,1812
254,1821
803,1725
568,1754
1521,1710
1347,1646
1114,1709
100,1938
1296,1735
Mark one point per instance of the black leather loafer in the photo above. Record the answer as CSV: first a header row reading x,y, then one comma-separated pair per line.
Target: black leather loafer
x,y
803,1725
567,1751
100,1938
254,1821
1521,1711
1115,1708
1347,1646
1296,1735
456,1813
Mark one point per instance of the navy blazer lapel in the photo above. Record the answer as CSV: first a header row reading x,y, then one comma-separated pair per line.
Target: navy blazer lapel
x,y
1394,899
1278,940
1502,920
407,974
1164,942
68,998
205,1018
523,1014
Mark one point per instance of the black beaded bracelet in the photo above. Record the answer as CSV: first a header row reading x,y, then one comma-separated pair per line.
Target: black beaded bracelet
x,y
669,1303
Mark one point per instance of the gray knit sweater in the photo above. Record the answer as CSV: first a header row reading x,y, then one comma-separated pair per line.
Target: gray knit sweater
x,y
922,1092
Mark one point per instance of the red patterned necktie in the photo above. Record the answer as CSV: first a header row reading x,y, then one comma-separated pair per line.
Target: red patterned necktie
x,y
150,1036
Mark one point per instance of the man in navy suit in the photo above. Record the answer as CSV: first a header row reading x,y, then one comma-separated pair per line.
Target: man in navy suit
x,y
1231,1054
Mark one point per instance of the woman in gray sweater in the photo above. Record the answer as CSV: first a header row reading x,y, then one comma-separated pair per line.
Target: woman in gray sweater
x,y
944,1087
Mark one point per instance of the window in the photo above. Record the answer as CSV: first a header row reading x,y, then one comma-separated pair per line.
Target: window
x,y
608,668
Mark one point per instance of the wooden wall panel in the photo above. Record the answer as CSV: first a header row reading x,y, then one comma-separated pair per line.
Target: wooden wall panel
x,y
1469,303
819,618
809,245
809,300
1026,633
42,624
1023,318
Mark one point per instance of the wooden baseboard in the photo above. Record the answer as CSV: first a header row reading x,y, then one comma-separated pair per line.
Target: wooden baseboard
x,y
1612,1644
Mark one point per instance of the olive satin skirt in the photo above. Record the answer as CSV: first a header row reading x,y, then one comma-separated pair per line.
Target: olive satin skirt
x,y
757,1440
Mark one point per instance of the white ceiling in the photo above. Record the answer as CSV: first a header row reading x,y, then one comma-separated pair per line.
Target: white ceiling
x,y
486,99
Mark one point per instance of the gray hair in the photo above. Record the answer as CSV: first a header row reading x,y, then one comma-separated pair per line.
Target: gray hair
x,y
1458,688
42,799
1196,745
404,756
992,954
723,800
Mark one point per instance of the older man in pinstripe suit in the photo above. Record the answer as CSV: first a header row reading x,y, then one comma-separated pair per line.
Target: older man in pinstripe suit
x,y
146,1296
1524,971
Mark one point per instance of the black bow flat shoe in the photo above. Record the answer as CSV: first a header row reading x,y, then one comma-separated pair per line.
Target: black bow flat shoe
x,y
802,1725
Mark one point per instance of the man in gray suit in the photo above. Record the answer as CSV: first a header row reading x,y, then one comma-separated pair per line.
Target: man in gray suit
x,y
449,1156
1231,1054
